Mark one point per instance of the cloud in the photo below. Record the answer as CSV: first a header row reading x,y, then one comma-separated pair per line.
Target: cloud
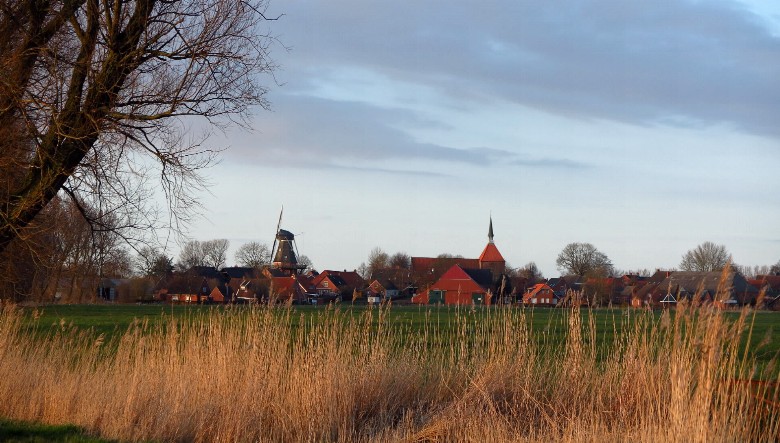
x,y
667,62
316,133
551,163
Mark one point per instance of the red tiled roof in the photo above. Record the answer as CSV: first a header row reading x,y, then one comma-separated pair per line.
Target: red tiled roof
x,y
491,254
351,278
772,280
427,263
456,279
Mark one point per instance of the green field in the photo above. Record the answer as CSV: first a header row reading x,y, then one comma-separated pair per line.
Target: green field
x,y
24,432
548,324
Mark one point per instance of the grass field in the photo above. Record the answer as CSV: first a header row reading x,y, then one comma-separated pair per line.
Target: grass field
x,y
549,324
23,432
205,373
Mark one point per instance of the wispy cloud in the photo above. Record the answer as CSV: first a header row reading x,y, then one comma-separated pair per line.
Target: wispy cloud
x,y
312,132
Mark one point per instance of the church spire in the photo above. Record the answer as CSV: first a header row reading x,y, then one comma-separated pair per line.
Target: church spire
x,y
490,230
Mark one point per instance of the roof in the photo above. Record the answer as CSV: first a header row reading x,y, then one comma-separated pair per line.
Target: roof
x,y
285,235
457,278
772,280
204,271
283,286
425,264
483,277
223,289
491,254
704,283
340,278
692,282
533,290
398,276
387,285
239,272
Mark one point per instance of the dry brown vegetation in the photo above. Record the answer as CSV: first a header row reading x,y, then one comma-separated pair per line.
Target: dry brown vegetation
x,y
253,375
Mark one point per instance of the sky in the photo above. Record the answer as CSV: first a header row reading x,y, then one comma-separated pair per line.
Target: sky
x,y
644,128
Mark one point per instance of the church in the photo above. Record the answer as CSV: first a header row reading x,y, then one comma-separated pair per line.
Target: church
x,y
464,281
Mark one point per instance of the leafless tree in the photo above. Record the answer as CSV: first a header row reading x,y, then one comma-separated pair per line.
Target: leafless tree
x,y
97,98
306,261
531,272
400,260
253,255
151,262
377,259
705,258
583,259
215,252
191,255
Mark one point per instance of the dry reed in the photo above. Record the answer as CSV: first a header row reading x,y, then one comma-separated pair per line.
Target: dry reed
x,y
253,375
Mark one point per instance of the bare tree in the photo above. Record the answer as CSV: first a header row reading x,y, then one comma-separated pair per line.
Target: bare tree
x,y
253,255
531,272
306,261
97,98
775,269
215,252
705,258
191,255
377,259
151,262
583,259
400,260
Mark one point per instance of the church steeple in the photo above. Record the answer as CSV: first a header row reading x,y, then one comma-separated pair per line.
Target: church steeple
x,y
490,230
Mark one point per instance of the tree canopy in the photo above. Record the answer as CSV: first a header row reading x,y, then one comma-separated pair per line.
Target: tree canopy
x,y
583,259
253,255
705,258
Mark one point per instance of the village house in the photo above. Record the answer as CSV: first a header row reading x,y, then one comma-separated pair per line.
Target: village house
x,y
770,286
540,294
295,288
338,284
724,290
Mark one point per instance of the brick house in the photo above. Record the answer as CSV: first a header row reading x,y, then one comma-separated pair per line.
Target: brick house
x,y
339,283
459,286
540,294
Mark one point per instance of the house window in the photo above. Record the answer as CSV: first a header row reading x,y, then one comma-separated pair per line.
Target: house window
x,y
325,284
533,301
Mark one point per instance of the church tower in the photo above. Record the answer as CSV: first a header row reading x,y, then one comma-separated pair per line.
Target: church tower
x,y
491,258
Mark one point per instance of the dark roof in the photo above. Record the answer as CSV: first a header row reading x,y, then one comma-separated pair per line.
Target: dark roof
x,y
284,235
425,264
659,276
239,272
483,277
400,277
337,280
692,282
706,284
204,271
277,272
388,285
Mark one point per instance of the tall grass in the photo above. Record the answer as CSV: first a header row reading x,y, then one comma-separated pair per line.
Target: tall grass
x,y
253,375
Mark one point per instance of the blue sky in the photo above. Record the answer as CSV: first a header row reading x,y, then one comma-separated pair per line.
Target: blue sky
x,y
644,128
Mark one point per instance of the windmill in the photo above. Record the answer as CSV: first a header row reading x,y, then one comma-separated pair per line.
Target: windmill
x,y
285,250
